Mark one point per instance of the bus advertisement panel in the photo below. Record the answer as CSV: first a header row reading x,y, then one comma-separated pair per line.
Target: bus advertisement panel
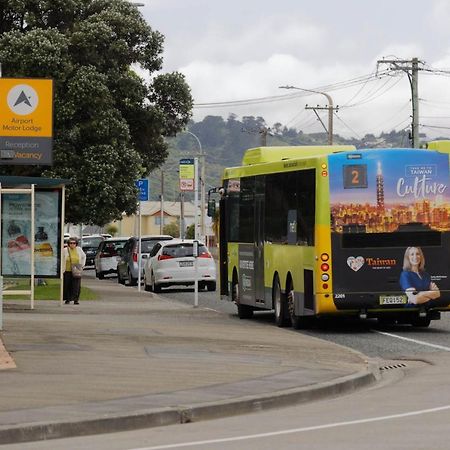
x,y
390,229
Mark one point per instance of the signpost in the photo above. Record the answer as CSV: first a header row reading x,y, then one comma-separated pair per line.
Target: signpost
x,y
143,196
26,121
187,174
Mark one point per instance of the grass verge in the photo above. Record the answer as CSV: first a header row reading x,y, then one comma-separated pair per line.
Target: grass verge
x,y
49,291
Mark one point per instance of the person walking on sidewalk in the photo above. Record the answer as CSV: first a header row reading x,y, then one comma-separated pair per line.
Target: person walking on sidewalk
x,y
73,255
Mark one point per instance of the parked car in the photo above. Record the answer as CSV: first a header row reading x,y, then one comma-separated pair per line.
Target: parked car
x,y
107,256
127,266
90,245
173,263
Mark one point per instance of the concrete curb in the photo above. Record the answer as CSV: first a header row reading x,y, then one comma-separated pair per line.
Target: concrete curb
x,y
187,413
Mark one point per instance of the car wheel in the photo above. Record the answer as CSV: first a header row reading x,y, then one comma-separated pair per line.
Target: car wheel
x,y
211,286
147,287
131,281
155,287
120,280
100,275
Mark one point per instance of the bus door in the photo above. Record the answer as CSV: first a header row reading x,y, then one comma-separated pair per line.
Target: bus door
x,y
259,242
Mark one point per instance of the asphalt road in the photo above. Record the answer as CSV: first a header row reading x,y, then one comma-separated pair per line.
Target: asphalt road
x,y
375,341
408,408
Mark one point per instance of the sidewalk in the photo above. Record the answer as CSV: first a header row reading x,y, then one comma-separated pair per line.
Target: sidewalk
x,y
133,360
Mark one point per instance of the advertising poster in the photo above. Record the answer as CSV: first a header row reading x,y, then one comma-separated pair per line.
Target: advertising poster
x,y
390,223
16,234
246,274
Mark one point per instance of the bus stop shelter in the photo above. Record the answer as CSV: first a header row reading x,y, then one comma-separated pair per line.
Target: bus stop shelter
x,y
31,231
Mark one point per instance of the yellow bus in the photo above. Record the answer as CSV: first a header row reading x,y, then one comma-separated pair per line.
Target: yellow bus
x,y
318,231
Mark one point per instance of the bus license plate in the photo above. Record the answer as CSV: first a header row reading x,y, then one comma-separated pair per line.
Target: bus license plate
x,y
393,299
186,263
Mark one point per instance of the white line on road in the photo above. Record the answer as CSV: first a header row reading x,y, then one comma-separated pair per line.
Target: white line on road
x,y
298,430
416,341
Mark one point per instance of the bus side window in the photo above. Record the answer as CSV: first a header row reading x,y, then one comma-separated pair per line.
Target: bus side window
x,y
306,204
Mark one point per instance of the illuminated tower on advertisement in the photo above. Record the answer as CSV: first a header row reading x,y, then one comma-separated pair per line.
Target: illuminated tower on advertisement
x,y
380,188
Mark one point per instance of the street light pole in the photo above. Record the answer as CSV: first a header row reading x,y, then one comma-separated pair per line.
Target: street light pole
x,y
202,186
330,108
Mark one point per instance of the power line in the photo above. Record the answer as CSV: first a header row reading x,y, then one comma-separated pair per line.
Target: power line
x,y
275,98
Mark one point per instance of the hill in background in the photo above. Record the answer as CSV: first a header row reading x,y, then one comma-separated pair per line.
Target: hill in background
x,y
224,142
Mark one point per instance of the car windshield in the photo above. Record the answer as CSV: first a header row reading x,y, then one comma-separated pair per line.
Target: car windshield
x,y
182,250
92,241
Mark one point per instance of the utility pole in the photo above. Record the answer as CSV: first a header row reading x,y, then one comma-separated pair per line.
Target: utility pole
x,y
263,132
161,225
330,108
411,68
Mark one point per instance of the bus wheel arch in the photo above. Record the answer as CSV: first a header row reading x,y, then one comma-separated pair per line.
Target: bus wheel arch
x,y
279,303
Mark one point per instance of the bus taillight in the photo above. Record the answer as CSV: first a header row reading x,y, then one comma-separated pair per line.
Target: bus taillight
x,y
324,267
324,257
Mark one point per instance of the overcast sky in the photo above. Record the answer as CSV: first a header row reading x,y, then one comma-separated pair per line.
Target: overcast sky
x,y
245,49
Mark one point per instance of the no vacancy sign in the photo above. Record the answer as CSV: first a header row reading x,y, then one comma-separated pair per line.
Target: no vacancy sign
x,y
26,121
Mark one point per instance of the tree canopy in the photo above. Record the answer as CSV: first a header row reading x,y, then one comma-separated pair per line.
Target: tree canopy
x,y
109,123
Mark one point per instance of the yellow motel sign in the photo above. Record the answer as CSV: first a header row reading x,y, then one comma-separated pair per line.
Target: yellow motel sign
x,y
26,121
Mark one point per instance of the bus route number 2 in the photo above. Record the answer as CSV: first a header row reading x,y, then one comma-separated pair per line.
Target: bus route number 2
x,y
355,176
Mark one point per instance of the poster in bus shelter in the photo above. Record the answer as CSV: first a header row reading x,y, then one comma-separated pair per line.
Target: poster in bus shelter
x,y
17,238
390,223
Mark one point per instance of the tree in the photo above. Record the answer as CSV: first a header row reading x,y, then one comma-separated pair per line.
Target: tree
x,y
109,124
172,229
190,231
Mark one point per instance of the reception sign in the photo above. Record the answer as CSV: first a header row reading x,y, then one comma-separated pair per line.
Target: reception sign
x,y
26,121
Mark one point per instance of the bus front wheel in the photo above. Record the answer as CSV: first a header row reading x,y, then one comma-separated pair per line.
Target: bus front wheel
x,y
244,311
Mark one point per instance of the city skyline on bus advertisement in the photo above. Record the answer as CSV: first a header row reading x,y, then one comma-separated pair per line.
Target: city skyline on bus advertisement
x,y
395,187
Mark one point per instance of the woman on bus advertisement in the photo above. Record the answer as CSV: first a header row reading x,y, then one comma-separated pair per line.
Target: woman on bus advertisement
x,y
415,281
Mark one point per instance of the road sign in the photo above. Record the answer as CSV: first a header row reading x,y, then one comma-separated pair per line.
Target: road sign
x,y
143,187
187,174
26,121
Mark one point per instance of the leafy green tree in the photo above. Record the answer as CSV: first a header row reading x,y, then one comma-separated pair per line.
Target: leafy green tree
x,y
172,229
112,229
109,124
190,231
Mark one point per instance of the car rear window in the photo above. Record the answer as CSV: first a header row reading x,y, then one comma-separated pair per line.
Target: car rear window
x,y
92,242
146,246
110,248
182,250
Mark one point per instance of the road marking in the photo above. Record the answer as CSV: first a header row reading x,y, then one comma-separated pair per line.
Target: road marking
x,y
298,430
416,341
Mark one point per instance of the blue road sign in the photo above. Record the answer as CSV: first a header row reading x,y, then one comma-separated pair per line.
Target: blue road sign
x,y
143,187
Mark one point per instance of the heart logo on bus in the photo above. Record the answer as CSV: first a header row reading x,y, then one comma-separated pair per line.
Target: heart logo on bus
x,y
355,263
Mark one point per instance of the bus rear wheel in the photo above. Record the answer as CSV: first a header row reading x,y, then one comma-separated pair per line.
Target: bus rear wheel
x,y
297,321
244,311
279,304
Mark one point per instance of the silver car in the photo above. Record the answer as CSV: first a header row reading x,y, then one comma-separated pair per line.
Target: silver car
x,y
127,266
107,256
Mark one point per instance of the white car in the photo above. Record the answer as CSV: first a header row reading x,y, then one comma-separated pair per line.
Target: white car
x,y
172,263
107,255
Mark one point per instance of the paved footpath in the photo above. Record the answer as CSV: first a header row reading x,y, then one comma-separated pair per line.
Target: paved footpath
x,y
134,359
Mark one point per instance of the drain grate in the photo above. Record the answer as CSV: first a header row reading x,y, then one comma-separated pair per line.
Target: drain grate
x,y
393,366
